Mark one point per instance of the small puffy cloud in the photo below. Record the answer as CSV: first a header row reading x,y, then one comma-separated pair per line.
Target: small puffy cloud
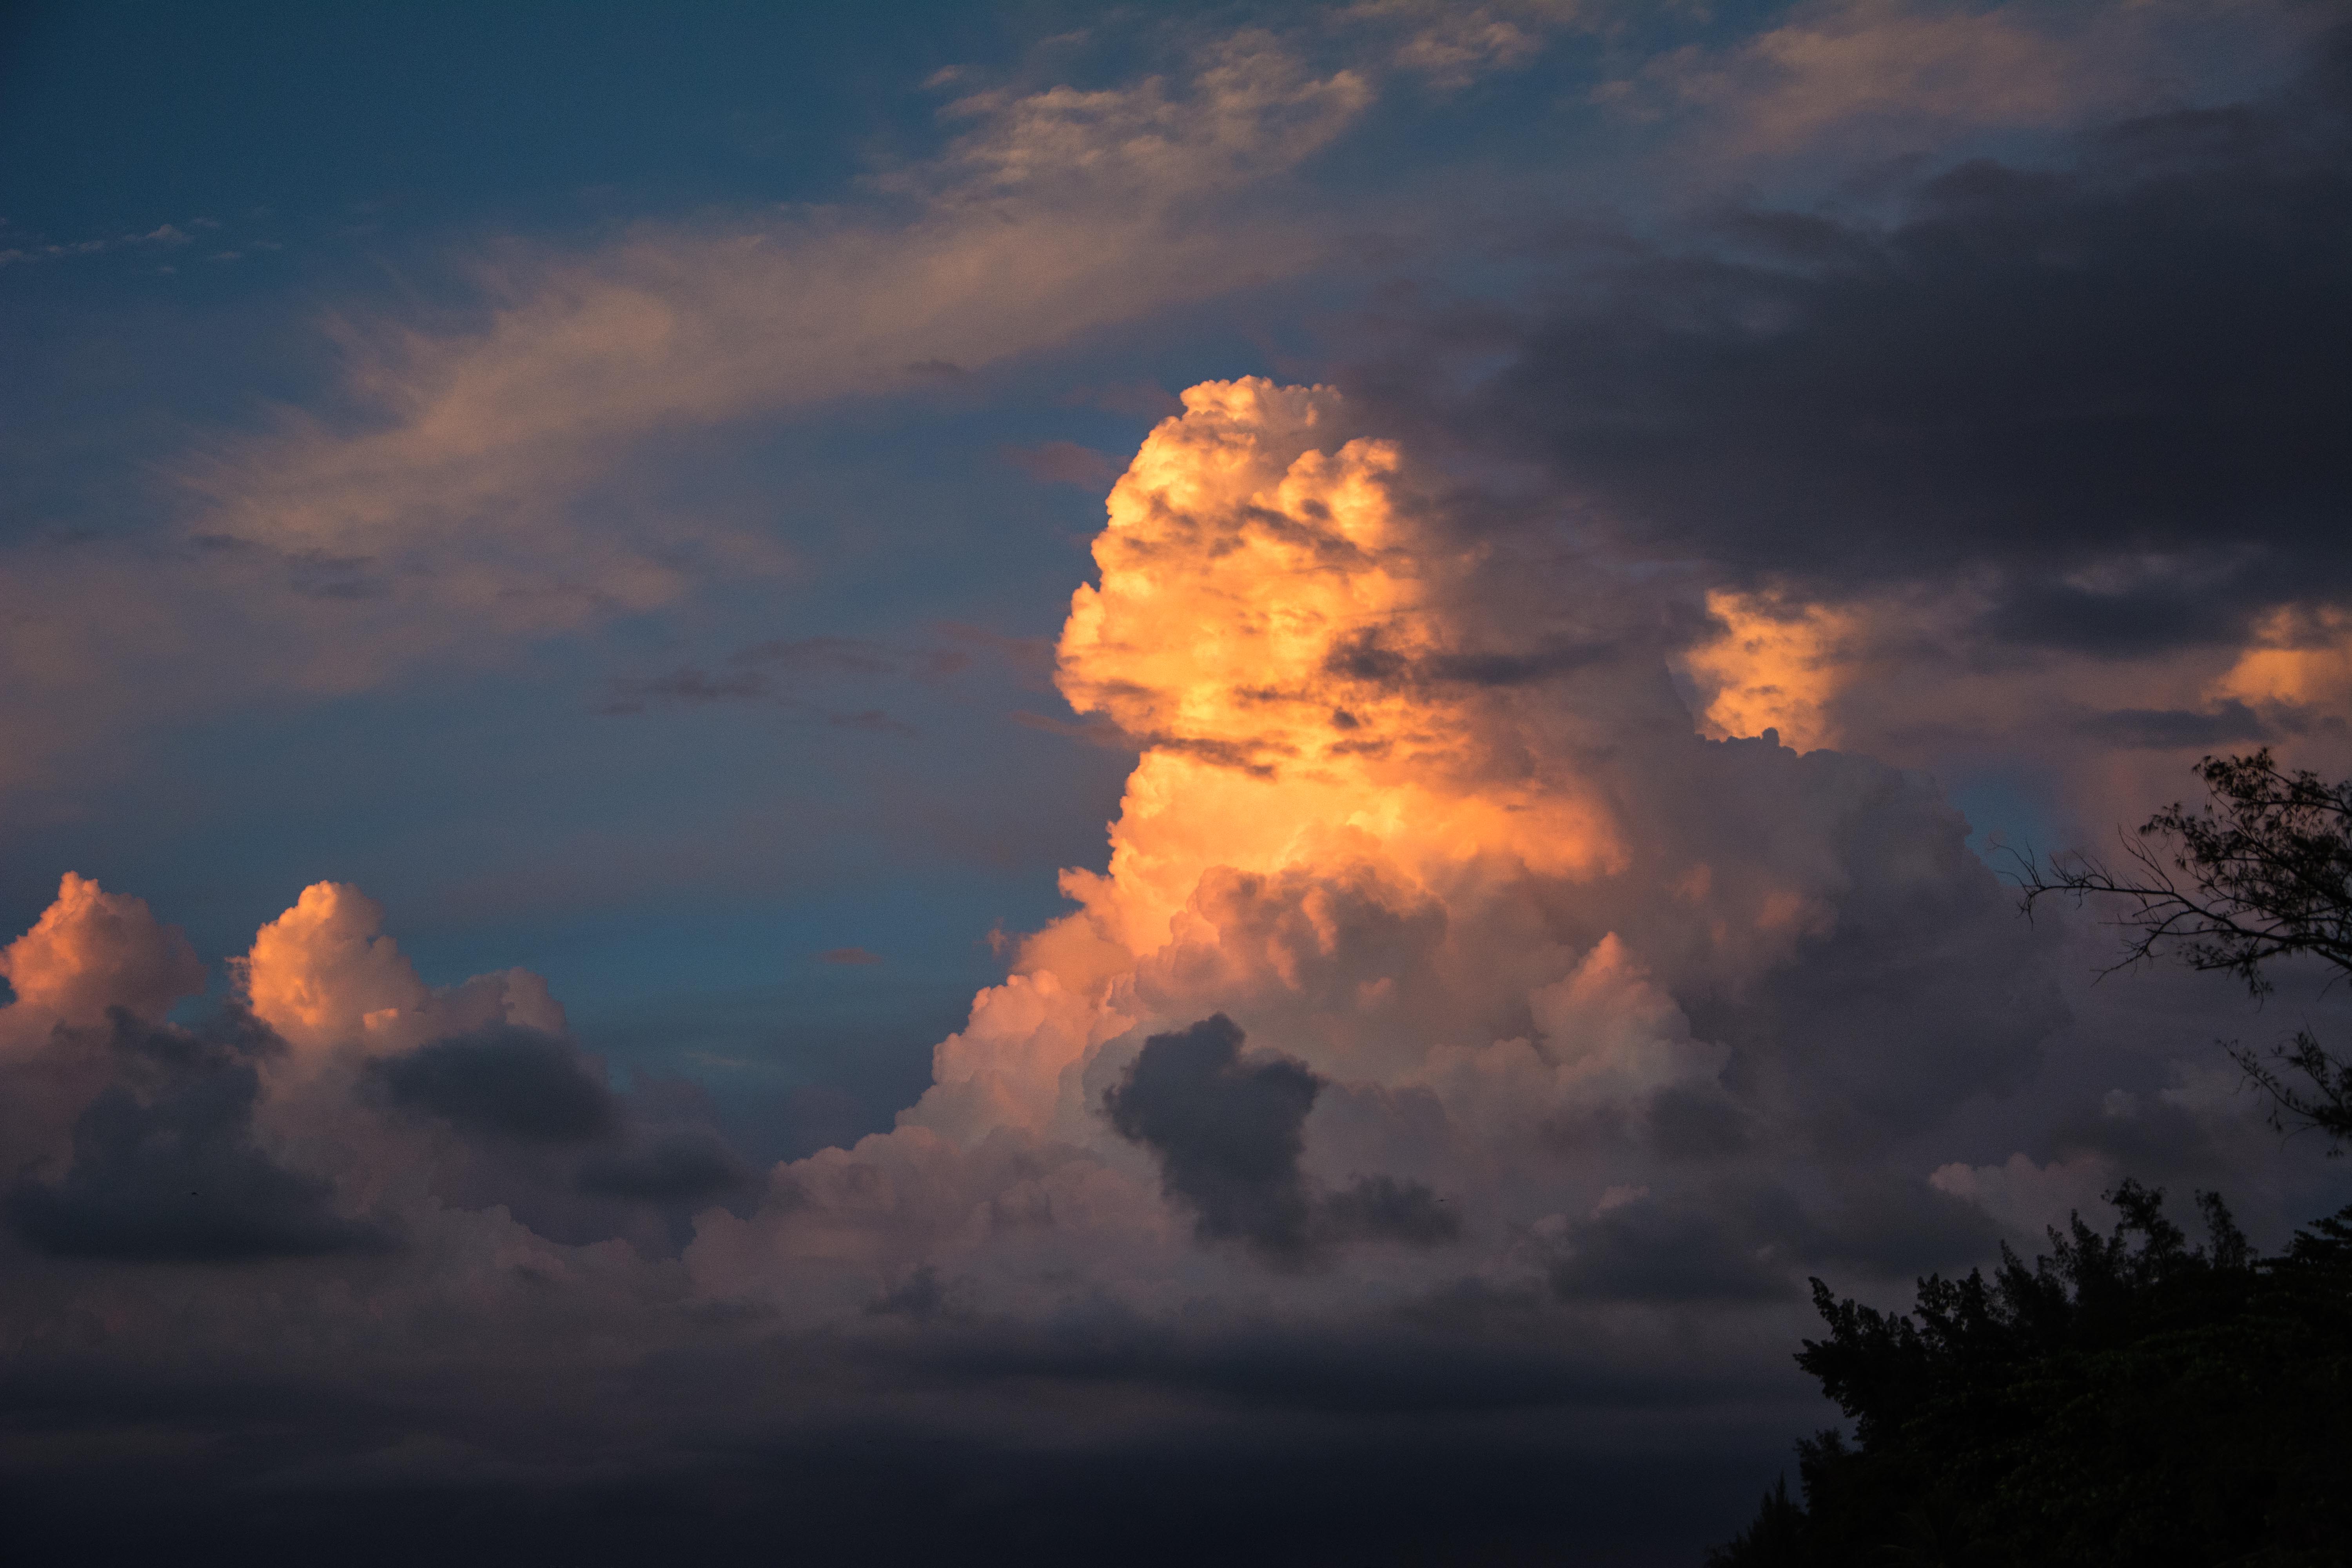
x,y
2027,1198
324,975
92,951
93,961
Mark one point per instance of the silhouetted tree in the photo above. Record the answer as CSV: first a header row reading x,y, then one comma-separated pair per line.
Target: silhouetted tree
x,y
2127,1399
2261,871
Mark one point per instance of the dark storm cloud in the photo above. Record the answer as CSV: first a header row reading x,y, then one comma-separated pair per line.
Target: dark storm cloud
x,y
1754,1242
1228,1132
2133,362
1696,1122
2176,729
1924,989
505,1083
1367,658
164,1167
679,1168
922,1296
1668,1250
1896,1223
2157,1139
1381,1208
1232,1494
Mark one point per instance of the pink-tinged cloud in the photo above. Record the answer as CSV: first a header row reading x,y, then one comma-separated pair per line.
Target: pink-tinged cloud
x,y
1422,888
1898,74
92,950
1444,994
1371,788
323,975
438,516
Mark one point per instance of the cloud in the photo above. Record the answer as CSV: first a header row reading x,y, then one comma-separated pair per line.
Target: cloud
x,y
92,951
323,976
1381,1208
1065,463
789,672
1774,665
165,1170
1981,380
1437,832
1048,213
1645,1250
2026,1198
2015,451
504,1082
491,475
1517,937
1227,1133
1891,67
167,237
2174,729
682,1168
92,958
1880,79
1452,1032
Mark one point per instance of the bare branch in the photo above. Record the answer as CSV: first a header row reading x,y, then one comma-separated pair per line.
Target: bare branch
x,y
2261,871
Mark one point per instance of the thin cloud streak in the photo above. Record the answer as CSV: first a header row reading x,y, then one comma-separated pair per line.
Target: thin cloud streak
x,y
449,511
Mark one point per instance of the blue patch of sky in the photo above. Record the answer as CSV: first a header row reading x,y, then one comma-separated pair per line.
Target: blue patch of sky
x,y
2011,810
139,112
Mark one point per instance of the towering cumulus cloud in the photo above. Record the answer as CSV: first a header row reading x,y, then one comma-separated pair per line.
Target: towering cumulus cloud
x,y
1436,953
1431,940
1453,1027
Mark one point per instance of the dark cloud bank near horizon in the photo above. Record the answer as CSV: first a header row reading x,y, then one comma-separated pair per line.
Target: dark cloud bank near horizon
x,y
483,1439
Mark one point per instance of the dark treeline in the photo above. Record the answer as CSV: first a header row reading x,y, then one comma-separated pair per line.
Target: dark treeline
x,y
2127,1399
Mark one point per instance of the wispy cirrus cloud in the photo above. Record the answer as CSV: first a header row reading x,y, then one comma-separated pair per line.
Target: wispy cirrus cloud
x,y
478,485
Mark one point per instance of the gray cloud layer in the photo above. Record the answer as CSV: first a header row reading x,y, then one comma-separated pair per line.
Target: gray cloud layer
x,y
2131,353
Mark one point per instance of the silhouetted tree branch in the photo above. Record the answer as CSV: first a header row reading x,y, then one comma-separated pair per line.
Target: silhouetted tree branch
x,y
2261,871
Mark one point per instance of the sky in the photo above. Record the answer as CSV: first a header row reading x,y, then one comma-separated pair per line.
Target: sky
x,y
1056,780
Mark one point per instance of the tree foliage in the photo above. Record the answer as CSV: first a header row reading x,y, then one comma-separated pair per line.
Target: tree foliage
x,y
2261,871
2127,1399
